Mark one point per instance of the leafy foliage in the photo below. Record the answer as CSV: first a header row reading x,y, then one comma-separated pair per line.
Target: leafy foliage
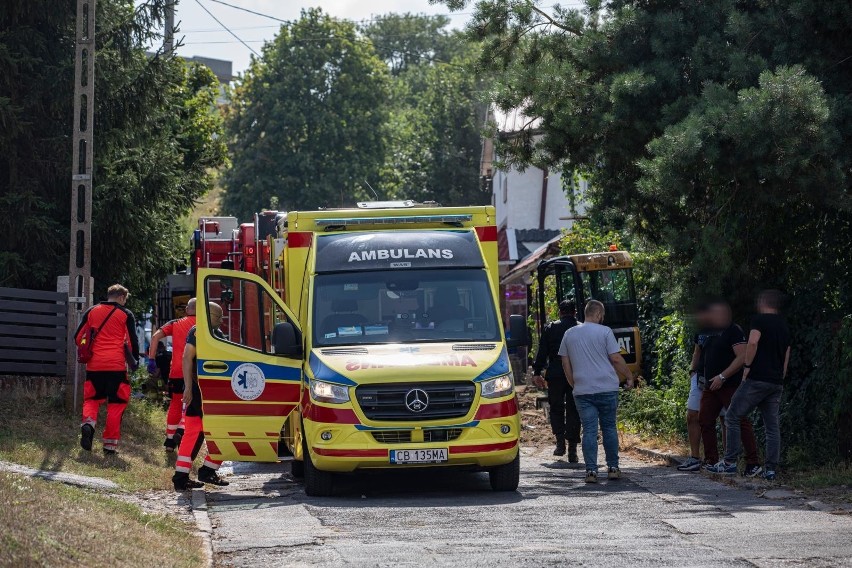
x,y
157,139
307,120
698,124
714,135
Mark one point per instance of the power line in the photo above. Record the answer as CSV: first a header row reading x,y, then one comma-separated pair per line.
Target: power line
x,y
203,7
363,21
252,12
210,30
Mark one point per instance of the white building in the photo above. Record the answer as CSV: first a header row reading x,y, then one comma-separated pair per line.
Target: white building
x,y
533,209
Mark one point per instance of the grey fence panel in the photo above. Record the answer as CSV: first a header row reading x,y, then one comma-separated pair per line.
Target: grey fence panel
x,y
32,332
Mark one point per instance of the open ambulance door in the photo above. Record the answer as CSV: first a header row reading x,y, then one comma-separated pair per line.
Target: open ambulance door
x,y
249,368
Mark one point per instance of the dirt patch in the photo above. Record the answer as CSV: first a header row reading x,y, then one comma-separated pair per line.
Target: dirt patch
x,y
535,427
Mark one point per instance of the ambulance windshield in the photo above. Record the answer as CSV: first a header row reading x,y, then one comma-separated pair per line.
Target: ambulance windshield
x,y
404,306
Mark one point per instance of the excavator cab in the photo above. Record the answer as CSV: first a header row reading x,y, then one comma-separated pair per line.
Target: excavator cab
x,y
606,277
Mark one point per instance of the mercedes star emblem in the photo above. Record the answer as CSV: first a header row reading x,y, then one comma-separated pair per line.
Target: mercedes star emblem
x,y
416,400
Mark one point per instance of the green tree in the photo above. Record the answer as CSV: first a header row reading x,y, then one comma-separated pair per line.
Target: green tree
x,y
436,111
306,123
716,130
158,138
409,40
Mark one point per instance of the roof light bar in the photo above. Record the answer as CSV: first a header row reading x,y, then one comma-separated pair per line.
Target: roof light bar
x,y
408,219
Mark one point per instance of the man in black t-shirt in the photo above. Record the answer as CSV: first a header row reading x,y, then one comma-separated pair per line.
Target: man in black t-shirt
x,y
564,418
766,359
724,351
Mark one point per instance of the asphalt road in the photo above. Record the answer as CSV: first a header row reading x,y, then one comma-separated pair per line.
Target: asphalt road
x,y
654,516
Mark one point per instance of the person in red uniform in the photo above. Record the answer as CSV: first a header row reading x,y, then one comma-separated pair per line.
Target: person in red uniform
x,y
106,371
194,434
178,330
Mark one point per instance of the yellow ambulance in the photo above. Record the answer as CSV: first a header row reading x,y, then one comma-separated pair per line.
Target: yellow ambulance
x,y
371,338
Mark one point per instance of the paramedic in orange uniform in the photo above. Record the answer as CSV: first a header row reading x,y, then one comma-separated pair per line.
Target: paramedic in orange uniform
x,y
194,435
178,330
106,371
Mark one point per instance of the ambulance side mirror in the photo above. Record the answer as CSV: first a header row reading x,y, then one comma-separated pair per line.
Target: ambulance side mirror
x,y
287,340
518,333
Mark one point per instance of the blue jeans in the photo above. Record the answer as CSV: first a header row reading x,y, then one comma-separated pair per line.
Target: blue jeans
x,y
593,408
750,395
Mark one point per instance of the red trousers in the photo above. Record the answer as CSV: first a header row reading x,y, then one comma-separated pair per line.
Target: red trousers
x,y
712,403
174,416
113,388
190,444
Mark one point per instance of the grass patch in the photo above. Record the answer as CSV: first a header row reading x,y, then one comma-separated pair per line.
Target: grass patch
x,y
830,483
51,524
40,434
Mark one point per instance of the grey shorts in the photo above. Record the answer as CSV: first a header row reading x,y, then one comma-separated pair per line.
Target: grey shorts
x,y
694,401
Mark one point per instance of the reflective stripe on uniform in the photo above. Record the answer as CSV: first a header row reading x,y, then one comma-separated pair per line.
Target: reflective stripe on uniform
x,y
183,464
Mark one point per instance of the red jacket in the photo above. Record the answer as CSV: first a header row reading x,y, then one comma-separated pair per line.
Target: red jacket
x,y
108,353
178,329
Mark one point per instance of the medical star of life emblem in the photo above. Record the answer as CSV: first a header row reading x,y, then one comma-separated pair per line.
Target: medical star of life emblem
x,y
416,400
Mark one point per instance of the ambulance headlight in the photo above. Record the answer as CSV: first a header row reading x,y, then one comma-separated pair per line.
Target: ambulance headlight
x,y
501,386
327,392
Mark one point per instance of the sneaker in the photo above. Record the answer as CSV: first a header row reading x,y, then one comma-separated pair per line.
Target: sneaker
x,y
769,475
691,464
613,473
109,452
170,445
572,454
182,482
752,471
209,475
722,468
591,476
87,434
560,447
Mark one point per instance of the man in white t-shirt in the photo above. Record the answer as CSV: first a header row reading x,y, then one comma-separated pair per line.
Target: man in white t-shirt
x,y
592,362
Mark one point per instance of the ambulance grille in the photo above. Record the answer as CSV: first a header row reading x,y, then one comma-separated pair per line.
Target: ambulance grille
x,y
392,436
442,435
387,402
429,435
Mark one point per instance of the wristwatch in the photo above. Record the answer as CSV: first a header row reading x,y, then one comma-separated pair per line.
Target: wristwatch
x,y
722,377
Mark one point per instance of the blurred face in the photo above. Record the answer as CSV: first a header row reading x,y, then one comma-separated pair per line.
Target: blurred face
x,y
719,315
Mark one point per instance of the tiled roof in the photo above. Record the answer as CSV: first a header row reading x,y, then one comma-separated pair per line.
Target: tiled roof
x,y
536,235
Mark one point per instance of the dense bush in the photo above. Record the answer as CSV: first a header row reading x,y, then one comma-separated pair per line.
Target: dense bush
x,y
816,411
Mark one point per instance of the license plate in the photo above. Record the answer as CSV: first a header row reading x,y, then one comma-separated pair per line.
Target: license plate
x,y
419,456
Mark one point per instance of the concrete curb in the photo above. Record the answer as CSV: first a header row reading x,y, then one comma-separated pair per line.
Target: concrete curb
x,y
668,458
67,478
202,521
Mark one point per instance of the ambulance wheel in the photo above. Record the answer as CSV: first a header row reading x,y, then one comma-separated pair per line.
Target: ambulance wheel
x,y
506,477
317,483
297,469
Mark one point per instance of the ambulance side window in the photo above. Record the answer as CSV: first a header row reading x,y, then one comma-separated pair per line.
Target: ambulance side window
x,y
249,312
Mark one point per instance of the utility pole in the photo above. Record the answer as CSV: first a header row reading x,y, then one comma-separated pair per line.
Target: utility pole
x,y
169,31
80,258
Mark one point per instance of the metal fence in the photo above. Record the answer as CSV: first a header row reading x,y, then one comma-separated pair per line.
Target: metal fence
x,y
33,332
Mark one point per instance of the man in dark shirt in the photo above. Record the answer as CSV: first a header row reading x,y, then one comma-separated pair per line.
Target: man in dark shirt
x,y
766,358
564,419
724,350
